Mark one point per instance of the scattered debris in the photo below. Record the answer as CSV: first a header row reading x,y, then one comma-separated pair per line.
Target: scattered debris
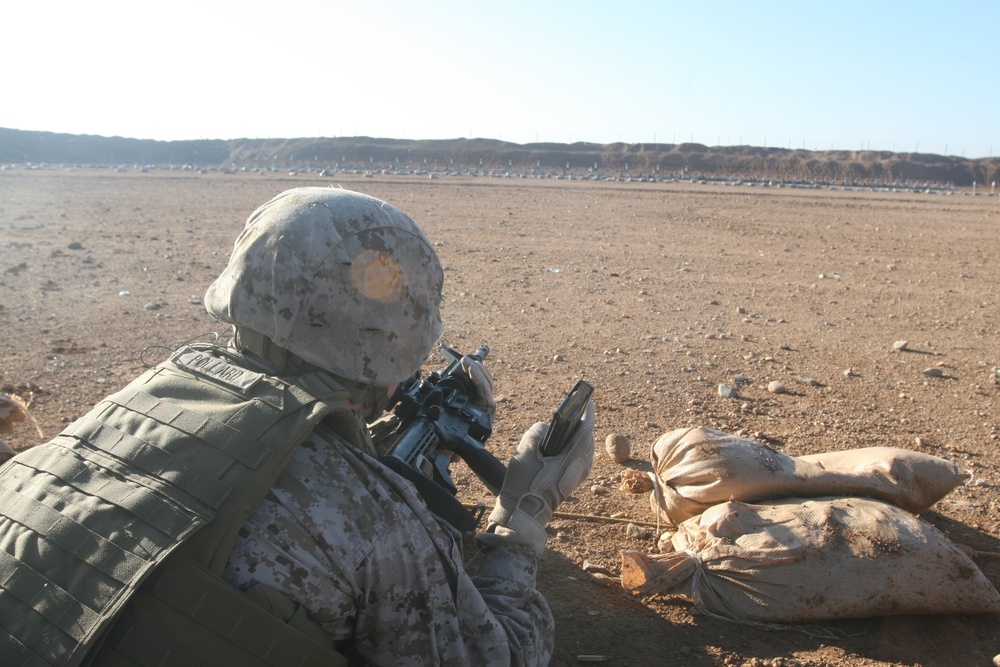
x,y
635,481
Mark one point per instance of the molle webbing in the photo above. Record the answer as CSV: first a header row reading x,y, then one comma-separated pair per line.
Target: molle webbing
x,y
183,605
285,362
171,464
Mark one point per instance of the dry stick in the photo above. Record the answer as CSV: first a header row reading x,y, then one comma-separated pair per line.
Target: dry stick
x,y
595,517
589,517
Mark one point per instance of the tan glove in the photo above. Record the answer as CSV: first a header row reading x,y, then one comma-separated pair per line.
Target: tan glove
x,y
535,485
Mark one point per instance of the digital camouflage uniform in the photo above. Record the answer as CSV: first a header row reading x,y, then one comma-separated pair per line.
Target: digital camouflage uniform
x,y
352,541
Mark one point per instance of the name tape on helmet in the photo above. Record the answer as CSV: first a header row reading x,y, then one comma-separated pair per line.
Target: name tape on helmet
x,y
215,369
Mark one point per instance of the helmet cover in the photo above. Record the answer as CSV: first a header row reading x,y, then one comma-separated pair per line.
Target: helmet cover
x,y
343,280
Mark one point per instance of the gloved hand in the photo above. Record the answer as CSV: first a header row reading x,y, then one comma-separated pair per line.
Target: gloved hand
x,y
483,381
536,484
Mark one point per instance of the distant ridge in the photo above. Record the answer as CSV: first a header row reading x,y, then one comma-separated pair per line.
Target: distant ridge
x,y
676,160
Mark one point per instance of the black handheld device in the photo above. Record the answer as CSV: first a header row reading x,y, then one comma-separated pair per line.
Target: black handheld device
x,y
566,418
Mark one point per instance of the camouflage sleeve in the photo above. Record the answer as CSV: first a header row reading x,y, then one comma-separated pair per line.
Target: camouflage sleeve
x,y
506,581
354,543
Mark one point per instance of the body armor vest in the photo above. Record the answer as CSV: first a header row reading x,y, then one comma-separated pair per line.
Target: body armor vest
x,y
114,534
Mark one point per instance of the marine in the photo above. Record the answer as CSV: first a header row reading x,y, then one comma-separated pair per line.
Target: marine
x,y
227,506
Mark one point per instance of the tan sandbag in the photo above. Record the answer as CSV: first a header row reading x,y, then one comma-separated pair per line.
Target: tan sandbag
x,y
11,411
6,451
811,560
698,467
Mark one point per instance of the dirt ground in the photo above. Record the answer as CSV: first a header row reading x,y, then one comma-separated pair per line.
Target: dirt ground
x,y
655,293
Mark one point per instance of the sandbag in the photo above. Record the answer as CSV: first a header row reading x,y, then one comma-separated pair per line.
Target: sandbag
x,y
6,452
799,560
698,467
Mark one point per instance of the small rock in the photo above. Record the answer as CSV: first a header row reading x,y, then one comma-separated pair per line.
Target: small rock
x,y
558,357
598,489
741,380
725,391
618,447
900,345
849,373
812,382
75,245
996,660
637,532
785,346
933,372
776,387
594,567
152,305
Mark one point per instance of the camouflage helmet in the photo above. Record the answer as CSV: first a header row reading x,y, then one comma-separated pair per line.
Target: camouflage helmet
x,y
343,280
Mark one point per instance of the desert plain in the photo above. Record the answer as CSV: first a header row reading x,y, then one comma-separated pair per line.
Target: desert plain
x,y
656,293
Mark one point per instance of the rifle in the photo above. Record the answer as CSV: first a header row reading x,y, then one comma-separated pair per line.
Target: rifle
x,y
436,417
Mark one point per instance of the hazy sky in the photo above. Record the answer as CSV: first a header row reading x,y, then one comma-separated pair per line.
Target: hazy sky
x,y
903,76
